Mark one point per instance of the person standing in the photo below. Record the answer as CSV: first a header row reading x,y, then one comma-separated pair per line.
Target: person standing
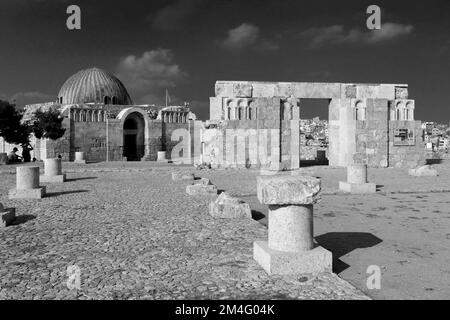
x,y
26,153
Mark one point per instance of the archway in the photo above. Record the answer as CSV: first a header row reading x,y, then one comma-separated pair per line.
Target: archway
x,y
134,137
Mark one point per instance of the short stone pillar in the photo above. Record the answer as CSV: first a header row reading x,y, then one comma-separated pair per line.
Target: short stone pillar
x,y
7,216
79,158
53,171
162,156
27,180
3,158
291,248
357,180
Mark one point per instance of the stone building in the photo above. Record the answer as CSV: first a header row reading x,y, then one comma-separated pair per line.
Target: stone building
x,y
100,118
368,123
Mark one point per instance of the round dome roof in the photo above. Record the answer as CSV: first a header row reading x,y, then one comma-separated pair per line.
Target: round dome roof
x,y
94,86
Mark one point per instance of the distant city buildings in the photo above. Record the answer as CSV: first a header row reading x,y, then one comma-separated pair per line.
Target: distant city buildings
x,y
436,137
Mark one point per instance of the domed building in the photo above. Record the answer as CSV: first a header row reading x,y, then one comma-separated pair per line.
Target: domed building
x,y
93,86
102,121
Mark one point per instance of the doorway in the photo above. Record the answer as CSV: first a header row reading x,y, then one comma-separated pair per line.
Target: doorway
x,y
314,135
133,137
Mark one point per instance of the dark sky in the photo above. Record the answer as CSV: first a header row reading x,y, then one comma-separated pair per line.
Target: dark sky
x,y
186,45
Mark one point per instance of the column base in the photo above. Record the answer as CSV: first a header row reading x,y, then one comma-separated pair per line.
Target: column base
x,y
358,188
38,193
7,217
80,161
53,179
317,260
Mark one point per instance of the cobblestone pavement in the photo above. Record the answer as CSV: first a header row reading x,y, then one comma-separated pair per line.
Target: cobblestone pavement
x,y
135,234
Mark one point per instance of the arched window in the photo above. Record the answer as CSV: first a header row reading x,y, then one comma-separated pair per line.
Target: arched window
x,y
239,113
83,116
249,113
360,111
229,113
100,116
410,111
60,100
106,100
114,100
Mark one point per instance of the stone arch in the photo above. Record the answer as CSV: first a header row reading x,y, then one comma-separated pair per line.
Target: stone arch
x,y
360,111
140,133
400,111
410,111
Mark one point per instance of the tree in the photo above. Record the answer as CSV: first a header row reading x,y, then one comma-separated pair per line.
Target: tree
x,y
11,128
47,124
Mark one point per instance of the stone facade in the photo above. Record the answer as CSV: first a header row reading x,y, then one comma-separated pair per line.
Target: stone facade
x,y
368,123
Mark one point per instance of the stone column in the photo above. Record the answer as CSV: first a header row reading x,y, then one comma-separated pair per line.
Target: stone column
x,y
53,171
79,158
27,180
357,180
3,158
162,156
7,216
291,248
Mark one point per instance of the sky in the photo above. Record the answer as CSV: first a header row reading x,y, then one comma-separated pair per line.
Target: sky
x,y
187,45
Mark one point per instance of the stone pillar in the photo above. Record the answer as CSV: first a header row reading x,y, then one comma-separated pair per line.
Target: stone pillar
x,y
357,173
3,158
53,171
291,248
7,216
357,180
162,156
79,158
27,180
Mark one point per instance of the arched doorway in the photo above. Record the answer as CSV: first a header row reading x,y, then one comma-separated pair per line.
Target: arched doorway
x,y
134,136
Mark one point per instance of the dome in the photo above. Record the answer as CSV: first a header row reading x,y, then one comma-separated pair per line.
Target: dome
x,y
94,86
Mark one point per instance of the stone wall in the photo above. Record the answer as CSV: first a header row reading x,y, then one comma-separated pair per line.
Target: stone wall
x,y
408,155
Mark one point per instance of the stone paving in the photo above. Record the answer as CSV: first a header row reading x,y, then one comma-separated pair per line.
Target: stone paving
x,y
135,234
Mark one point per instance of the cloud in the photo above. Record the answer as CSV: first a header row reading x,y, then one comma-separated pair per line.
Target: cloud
x,y
337,34
173,16
150,73
246,36
390,31
242,36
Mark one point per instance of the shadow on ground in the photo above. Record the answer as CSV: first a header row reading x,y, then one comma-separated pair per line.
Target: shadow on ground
x,y
23,219
79,179
56,194
257,215
342,243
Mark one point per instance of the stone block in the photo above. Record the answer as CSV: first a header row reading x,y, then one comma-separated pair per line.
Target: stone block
x,y
286,190
37,193
53,179
3,158
177,176
317,260
229,207
201,190
423,171
7,216
358,188
243,90
203,181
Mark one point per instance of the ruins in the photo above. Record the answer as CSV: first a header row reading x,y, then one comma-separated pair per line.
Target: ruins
x,y
368,123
